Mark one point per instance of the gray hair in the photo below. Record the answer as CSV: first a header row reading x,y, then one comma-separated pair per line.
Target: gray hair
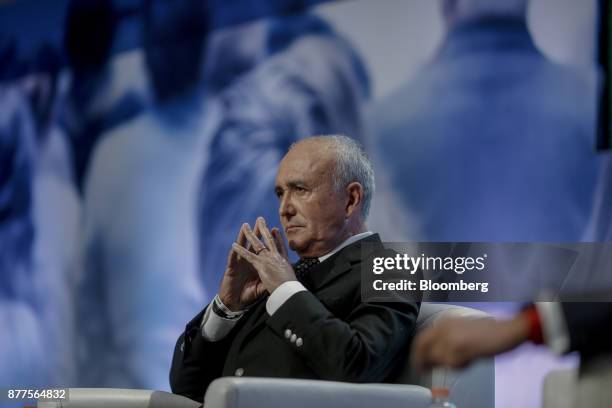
x,y
352,164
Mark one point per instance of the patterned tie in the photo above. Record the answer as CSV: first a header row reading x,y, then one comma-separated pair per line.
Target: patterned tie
x,y
304,265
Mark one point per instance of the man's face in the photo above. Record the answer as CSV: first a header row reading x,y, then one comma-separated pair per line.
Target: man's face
x,y
311,211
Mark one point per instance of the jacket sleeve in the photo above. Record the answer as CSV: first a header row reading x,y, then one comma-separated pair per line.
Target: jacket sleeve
x,y
196,361
364,347
589,325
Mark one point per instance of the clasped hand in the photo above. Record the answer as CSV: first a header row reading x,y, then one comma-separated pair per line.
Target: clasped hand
x,y
254,267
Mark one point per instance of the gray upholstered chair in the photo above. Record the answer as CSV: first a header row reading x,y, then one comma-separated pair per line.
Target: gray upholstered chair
x,y
590,386
470,387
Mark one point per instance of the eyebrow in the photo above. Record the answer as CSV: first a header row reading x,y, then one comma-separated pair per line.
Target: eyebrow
x,y
297,183
291,184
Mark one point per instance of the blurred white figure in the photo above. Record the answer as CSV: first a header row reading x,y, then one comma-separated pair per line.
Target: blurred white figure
x,y
22,344
141,277
39,223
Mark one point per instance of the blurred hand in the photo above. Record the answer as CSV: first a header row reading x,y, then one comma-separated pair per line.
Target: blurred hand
x,y
457,342
269,258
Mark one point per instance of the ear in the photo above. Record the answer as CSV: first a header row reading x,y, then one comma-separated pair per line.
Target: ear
x,y
354,194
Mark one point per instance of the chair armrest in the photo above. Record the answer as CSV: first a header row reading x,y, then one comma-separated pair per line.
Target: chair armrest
x,y
119,398
588,386
559,388
472,386
236,392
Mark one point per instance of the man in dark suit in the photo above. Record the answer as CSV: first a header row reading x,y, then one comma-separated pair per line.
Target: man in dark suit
x,y
563,326
265,320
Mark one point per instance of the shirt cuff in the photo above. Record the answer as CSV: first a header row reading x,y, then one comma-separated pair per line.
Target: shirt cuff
x,y
281,294
554,326
215,327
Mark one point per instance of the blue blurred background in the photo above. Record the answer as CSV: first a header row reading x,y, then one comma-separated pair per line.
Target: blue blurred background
x,y
137,135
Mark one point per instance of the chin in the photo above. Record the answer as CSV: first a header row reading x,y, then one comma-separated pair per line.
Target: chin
x,y
296,245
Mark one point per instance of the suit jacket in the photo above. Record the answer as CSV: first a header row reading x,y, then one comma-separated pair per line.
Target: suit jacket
x,y
600,227
343,338
590,327
590,323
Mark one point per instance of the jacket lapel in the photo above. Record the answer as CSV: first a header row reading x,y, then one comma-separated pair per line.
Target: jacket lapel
x,y
342,262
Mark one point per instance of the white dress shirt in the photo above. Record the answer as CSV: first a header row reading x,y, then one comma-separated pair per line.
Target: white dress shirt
x,y
554,327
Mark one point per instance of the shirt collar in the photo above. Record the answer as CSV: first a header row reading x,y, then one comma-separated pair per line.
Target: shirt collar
x,y
347,242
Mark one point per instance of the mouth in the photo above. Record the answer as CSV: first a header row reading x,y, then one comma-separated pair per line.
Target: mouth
x,y
292,228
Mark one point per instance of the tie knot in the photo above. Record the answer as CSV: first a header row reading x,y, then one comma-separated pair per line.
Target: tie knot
x,y
302,266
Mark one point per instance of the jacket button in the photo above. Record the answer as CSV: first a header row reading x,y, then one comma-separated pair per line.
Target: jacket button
x,y
288,333
299,342
239,372
293,338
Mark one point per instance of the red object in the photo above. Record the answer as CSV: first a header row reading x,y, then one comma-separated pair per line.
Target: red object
x,y
440,392
535,325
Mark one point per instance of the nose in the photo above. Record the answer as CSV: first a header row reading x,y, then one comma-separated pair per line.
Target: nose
x,y
286,209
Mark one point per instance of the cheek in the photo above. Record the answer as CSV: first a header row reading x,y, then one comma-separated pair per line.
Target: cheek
x,y
327,219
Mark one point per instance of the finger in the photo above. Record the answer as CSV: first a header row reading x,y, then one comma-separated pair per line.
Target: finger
x,y
243,252
438,356
266,235
260,288
416,356
253,240
280,244
240,240
245,243
422,348
257,229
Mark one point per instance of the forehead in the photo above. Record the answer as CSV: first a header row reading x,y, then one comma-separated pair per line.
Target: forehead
x,y
307,162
